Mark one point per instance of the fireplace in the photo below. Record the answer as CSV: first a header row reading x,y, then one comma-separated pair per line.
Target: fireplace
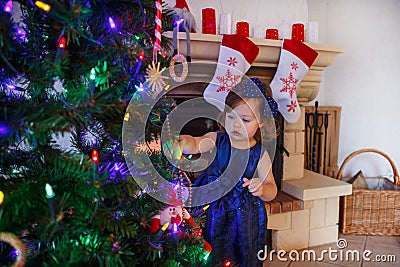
x,y
317,222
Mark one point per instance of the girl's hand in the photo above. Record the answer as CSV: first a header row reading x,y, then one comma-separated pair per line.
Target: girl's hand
x,y
255,186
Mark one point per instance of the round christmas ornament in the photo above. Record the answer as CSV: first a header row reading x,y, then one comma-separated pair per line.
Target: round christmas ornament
x,y
180,59
19,248
184,21
177,56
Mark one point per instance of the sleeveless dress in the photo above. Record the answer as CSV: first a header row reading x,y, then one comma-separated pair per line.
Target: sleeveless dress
x,y
236,223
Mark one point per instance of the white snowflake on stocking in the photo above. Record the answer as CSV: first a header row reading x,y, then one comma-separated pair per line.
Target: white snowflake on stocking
x,y
292,106
227,82
289,85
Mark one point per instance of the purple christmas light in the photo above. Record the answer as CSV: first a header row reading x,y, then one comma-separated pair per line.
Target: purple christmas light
x,y
116,167
20,34
178,22
111,22
4,129
11,87
14,254
8,7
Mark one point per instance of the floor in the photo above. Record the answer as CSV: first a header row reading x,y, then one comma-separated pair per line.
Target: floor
x,y
377,251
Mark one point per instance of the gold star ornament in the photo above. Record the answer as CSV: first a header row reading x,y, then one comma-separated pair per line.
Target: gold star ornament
x,y
155,79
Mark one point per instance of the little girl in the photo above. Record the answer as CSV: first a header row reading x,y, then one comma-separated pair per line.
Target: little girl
x,y
236,223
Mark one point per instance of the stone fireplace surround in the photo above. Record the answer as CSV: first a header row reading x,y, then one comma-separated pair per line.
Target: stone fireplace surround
x,y
317,222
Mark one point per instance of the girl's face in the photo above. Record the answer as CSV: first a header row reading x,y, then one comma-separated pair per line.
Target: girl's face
x,y
241,123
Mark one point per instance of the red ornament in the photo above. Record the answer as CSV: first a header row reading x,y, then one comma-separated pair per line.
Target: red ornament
x,y
61,43
95,156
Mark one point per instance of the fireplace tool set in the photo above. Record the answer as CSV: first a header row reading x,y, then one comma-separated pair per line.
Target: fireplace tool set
x,y
316,140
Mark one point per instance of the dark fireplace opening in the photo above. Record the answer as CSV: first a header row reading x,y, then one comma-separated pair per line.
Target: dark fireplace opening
x,y
277,164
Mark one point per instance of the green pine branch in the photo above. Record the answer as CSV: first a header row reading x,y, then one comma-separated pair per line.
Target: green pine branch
x,y
46,92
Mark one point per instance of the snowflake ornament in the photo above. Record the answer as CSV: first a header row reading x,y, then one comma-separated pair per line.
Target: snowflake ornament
x,y
289,85
292,106
227,82
155,79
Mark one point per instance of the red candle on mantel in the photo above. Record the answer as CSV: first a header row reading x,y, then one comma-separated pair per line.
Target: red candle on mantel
x,y
242,28
209,25
272,34
298,32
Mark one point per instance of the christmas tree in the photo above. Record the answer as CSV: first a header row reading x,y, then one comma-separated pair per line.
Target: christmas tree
x,y
68,70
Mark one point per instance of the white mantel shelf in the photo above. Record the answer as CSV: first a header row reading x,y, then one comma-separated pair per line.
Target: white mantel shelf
x,y
205,48
316,186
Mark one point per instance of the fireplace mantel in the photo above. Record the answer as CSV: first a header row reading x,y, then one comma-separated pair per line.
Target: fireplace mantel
x,y
205,48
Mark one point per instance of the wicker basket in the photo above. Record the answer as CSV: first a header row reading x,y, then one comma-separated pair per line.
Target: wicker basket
x,y
373,211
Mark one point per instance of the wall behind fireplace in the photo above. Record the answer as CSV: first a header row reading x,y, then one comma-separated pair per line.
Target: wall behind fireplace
x,y
364,79
259,13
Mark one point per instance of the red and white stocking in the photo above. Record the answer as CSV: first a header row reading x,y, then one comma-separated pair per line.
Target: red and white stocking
x,y
236,54
295,60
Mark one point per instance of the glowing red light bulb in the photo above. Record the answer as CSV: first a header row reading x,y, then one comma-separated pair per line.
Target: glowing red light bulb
x,y
227,263
95,156
61,43
141,55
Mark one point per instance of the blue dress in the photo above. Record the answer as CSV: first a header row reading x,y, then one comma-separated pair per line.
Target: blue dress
x,y
236,223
